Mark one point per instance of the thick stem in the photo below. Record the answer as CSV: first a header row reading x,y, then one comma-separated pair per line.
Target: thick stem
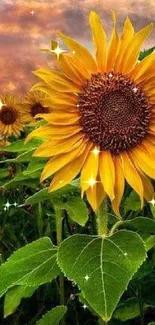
x,y
59,240
102,322
102,219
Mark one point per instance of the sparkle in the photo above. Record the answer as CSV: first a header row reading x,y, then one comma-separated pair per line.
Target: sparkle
x,y
58,51
87,277
110,75
125,253
84,306
135,89
1,104
32,12
15,204
96,151
73,52
152,202
92,182
7,205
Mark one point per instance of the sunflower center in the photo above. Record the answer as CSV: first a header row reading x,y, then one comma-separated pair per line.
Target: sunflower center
x,y
37,108
115,113
8,115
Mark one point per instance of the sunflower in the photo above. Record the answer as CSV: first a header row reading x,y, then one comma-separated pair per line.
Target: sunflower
x,y
103,120
36,102
11,122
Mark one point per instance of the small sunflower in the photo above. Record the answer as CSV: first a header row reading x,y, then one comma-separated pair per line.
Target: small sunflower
x,y
10,116
103,120
35,103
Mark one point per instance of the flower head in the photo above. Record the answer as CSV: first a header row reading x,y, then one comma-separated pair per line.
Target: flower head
x,y
11,122
35,103
103,122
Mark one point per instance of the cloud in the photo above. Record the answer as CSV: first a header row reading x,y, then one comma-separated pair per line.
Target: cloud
x,y
26,26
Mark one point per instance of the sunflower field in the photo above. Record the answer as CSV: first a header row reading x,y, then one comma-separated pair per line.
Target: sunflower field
x,y
77,170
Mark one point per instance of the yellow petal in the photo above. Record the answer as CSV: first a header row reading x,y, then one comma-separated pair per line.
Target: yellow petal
x,y
113,47
143,69
59,161
132,52
95,195
60,119
144,161
57,81
131,175
107,173
148,188
66,174
99,39
127,35
54,132
81,53
119,185
89,170
72,68
52,148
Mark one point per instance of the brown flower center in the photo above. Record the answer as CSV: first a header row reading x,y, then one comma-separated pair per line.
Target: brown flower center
x,y
8,115
115,113
37,108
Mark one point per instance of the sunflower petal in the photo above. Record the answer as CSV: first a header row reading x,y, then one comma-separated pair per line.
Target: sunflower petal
x,y
99,39
57,119
148,187
80,53
127,35
51,148
144,161
113,47
57,81
89,170
54,132
59,161
95,195
66,174
143,69
132,176
132,52
119,186
107,173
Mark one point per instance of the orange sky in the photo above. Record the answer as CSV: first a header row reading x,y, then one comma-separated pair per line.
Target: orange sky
x,y
23,33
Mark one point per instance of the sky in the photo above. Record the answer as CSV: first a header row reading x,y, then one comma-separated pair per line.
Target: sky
x,y
28,25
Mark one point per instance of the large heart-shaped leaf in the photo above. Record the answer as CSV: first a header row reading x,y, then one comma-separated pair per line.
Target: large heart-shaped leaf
x,y
102,267
31,265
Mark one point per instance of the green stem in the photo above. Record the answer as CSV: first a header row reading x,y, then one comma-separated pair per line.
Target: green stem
x,y
115,226
59,240
102,219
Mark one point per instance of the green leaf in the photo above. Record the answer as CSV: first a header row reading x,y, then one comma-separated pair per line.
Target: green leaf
x,y
34,166
127,310
14,296
141,223
53,317
19,145
75,207
4,173
44,195
102,267
31,265
152,323
132,202
23,157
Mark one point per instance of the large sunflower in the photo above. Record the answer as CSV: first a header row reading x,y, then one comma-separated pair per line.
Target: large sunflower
x,y
11,122
35,103
103,120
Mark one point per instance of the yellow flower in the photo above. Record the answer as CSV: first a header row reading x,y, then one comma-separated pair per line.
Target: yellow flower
x,y
10,116
103,122
36,102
